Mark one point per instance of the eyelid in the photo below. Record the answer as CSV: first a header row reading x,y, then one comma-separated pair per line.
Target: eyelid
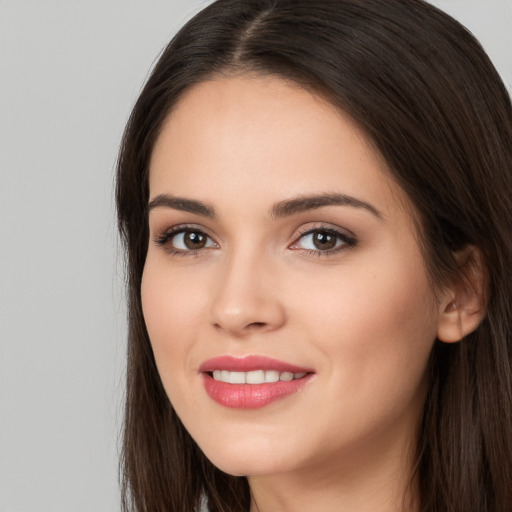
x,y
324,226
168,234
346,236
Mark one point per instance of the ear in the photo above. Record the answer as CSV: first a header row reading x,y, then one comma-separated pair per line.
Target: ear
x,y
462,308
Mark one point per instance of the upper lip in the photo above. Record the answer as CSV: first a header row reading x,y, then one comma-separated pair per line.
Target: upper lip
x,y
249,363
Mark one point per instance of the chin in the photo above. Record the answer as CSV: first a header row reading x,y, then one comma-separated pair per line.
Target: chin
x,y
244,460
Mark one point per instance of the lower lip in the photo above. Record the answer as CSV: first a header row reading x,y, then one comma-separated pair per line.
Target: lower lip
x,y
251,396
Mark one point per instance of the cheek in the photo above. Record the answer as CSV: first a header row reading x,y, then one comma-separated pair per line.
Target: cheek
x,y
171,308
171,297
171,311
386,301
376,330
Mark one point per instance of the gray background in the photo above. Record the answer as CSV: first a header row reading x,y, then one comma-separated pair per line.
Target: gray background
x,y
69,74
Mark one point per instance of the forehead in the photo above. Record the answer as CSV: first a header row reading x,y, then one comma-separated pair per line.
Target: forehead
x,y
262,137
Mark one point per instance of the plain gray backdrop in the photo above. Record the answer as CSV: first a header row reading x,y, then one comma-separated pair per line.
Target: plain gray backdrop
x,y
70,72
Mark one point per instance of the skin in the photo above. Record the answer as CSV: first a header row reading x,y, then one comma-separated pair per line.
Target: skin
x,y
363,316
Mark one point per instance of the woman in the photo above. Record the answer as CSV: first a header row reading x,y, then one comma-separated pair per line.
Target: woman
x,y
316,203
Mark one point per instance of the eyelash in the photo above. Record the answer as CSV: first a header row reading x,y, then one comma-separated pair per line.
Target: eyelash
x,y
347,241
164,239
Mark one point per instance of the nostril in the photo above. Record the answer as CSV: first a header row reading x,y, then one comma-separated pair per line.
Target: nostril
x,y
256,325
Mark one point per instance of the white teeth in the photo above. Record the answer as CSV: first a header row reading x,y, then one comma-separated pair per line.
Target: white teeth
x,y
271,376
255,376
237,377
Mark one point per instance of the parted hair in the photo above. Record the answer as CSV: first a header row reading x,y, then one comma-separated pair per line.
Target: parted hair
x,y
426,94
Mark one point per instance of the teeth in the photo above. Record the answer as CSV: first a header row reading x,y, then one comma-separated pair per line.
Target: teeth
x,y
236,377
271,376
255,377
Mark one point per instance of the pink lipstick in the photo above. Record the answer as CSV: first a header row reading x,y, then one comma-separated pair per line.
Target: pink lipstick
x,y
251,382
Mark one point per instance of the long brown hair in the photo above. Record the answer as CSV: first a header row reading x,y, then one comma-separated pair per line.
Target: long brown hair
x,y
425,92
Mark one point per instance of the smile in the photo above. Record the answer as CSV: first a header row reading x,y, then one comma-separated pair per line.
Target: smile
x,y
255,377
251,382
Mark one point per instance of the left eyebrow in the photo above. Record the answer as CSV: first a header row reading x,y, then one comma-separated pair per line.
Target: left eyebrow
x,y
306,203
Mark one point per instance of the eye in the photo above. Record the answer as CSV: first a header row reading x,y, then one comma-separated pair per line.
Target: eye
x,y
185,240
323,240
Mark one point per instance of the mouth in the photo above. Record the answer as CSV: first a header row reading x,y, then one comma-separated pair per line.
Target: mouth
x,y
255,376
251,382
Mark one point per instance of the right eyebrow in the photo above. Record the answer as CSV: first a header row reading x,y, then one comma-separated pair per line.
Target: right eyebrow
x,y
180,203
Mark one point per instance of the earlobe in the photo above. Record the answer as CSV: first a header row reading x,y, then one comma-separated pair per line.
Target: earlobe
x,y
463,309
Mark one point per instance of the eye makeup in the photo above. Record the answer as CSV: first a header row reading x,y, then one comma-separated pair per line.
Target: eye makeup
x,y
319,240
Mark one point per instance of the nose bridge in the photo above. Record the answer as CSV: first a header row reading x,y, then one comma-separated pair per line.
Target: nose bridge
x,y
246,296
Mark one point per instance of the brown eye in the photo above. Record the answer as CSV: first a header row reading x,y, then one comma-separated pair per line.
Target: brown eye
x,y
183,241
323,241
194,240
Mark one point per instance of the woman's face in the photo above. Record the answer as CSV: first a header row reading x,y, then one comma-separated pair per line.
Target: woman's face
x,y
281,249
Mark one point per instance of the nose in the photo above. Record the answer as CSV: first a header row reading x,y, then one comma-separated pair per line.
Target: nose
x,y
247,299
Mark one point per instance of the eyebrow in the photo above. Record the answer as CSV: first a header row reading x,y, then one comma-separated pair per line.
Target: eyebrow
x,y
279,210
180,203
306,203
